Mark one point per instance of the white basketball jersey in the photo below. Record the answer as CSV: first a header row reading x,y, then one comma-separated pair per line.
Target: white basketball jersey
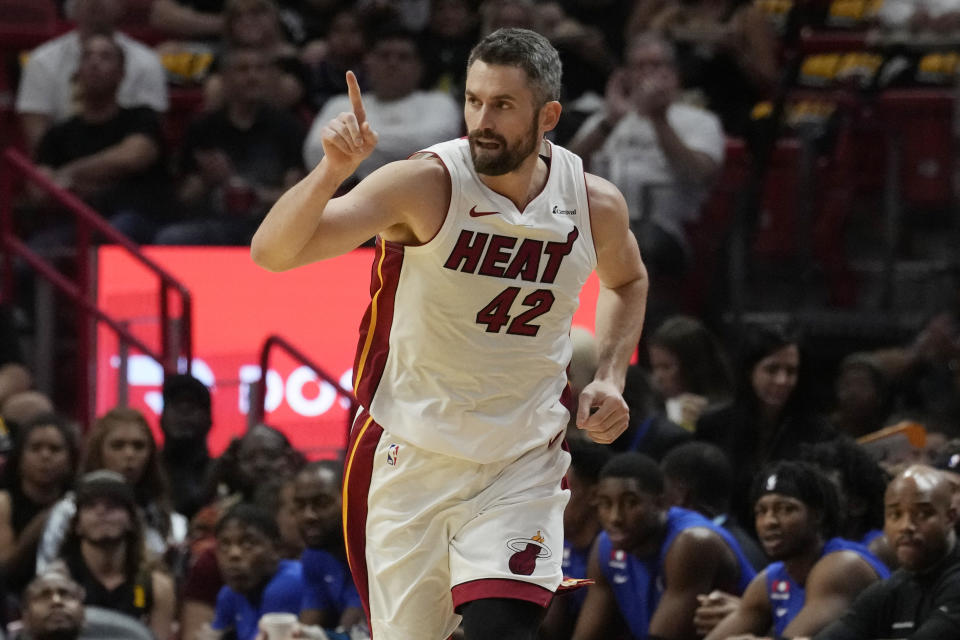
x,y
464,348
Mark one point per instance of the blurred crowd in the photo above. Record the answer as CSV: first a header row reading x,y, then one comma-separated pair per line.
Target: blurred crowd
x,y
187,135
190,137
167,541
151,534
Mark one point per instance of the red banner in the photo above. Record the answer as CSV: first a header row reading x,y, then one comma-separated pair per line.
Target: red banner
x,y
236,306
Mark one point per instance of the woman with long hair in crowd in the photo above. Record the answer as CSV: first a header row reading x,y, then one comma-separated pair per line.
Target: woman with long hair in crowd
x,y
103,550
39,470
688,369
771,414
121,441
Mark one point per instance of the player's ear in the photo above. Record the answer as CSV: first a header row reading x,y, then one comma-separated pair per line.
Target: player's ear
x,y
952,516
550,115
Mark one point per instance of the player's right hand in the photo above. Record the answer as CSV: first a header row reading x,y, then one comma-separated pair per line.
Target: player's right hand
x,y
713,608
348,139
602,413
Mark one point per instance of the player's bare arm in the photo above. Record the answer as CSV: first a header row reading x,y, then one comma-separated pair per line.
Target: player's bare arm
x,y
620,309
599,610
833,584
404,200
753,615
697,562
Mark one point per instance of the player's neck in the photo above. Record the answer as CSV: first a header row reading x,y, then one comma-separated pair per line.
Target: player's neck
x,y
800,565
522,184
650,547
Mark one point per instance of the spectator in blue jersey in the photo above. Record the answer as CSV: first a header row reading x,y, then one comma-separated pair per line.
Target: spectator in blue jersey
x,y
815,575
698,476
257,580
581,525
651,562
330,598
860,483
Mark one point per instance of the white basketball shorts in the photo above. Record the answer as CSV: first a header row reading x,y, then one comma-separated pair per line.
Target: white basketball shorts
x,y
427,532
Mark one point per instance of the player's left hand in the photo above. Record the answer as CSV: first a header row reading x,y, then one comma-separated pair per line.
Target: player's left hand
x,y
602,412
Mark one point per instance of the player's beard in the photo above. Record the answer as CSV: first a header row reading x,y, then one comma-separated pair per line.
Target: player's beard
x,y
506,159
58,634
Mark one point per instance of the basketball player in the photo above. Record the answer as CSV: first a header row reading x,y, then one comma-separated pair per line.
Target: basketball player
x,y
815,576
453,503
652,560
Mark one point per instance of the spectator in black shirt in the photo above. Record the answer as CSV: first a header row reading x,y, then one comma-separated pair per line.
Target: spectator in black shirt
x,y
772,413
185,422
39,472
921,601
104,553
110,156
238,160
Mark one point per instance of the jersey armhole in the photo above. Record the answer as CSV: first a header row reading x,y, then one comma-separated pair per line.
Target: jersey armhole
x,y
588,219
430,155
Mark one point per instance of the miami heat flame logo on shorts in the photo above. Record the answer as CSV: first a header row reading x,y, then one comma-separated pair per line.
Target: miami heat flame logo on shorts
x,y
526,551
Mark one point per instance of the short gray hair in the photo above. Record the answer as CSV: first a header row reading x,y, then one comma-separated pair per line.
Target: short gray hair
x,y
527,50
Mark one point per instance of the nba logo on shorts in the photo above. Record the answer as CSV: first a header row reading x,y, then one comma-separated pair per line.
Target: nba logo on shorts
x,y
392,452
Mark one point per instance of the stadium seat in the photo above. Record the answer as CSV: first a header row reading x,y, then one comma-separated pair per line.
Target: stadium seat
x,y
778,225
823,41
920,123
708,235
26,23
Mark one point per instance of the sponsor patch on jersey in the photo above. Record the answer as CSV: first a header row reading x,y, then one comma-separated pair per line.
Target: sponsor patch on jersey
x,y
618,559
781,590
557,211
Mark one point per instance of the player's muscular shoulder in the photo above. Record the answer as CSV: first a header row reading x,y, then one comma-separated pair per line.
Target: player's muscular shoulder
x,y
605,199
699,551
421,192
609,216
841,571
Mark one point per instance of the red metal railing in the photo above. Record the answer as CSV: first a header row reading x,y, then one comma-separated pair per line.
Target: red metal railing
x,y
258,402
176,334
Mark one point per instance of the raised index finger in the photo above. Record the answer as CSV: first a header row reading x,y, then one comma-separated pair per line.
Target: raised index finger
x,y
353,90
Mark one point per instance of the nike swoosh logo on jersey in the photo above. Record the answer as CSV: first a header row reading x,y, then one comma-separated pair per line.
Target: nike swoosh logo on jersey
x,y
477,214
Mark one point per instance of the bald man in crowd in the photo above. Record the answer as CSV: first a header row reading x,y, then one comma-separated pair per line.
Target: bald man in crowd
x,y
921,601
